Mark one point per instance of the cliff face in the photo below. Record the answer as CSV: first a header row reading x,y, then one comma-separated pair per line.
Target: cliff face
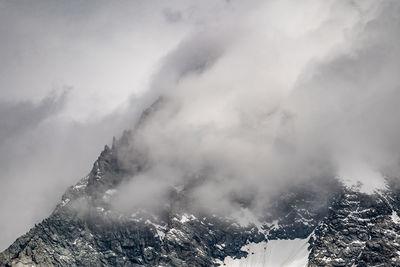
x,y
360,230
340,226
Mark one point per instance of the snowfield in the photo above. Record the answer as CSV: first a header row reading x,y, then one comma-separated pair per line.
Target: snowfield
x,y
275,253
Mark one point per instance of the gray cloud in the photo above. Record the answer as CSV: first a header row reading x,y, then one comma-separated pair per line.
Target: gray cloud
x,y
255,96
249,124
107,53
17,118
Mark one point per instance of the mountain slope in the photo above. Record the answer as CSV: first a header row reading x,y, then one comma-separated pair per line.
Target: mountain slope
x,y
346,226
319,222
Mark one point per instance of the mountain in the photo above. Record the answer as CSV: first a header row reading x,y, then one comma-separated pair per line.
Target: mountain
x,y
319,222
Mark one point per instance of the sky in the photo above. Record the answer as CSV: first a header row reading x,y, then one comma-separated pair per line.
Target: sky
x,y
249,89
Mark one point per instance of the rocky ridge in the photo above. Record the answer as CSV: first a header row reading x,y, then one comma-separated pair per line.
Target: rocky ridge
x,y
345,227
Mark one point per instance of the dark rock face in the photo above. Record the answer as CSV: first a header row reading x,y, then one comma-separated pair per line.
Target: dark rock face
x,y
360,230
347,228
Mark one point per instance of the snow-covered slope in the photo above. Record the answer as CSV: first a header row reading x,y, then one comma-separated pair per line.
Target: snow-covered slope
x,y
277,253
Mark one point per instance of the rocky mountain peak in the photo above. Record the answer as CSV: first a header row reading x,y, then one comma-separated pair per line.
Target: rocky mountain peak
x,y
323,222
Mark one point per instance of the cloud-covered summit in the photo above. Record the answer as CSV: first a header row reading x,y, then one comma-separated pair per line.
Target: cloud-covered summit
x,y
287,98
256,94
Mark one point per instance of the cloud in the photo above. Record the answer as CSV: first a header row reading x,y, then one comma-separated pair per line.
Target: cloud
x,y
255,96
286,100
106,53
17,118
347,105
42,152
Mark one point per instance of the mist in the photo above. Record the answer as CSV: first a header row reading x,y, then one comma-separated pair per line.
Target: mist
x,y
255,96
266,100
72,76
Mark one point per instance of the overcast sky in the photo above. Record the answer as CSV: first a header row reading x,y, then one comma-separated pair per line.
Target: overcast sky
x,y
265,82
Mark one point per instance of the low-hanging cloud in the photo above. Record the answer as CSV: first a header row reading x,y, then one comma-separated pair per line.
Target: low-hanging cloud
x,y
104,53
284,101
254,96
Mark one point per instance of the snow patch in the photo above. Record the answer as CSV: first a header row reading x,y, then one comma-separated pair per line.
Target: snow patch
x,y
274,225
283,253
186,218
79,186
395,217
65,202
161,229
220,246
